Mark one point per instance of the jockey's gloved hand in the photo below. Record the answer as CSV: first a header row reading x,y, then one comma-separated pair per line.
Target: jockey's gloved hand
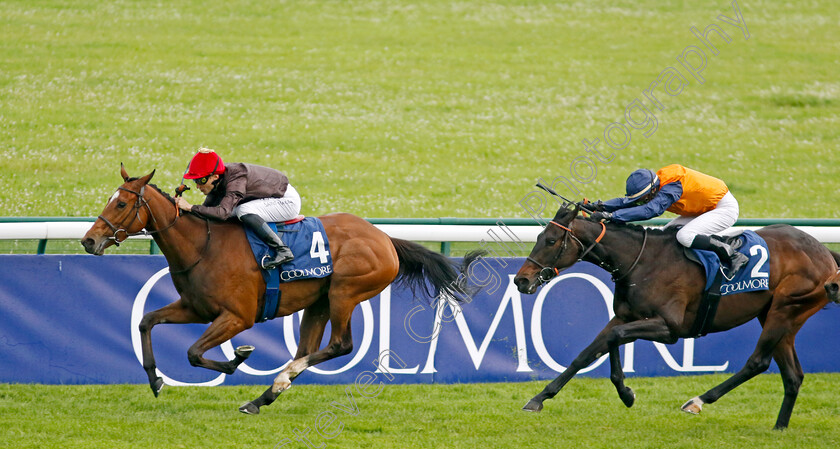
x,y
596,206
601,216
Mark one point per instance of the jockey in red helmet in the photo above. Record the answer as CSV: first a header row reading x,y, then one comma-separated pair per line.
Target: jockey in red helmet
x,y
252,193
704,204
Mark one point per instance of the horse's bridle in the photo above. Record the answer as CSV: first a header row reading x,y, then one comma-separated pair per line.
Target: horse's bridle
x,y
142,202
548,272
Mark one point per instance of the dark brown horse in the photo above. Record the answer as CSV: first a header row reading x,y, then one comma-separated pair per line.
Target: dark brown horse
x,y
217,277
658,293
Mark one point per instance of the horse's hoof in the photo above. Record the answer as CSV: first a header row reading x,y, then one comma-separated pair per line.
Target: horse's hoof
x,y
157,385
533,406
628,397
693,406
244,351
249,408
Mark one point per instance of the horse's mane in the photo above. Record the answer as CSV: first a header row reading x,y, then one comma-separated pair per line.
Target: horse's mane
x,y
641,229
563,214
165,195
172,200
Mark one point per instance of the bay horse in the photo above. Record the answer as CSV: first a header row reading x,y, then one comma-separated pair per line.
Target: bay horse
x,y
832,286
218,280
658,294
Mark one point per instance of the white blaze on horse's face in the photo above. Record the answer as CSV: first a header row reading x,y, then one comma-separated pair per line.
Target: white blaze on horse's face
x,y
113,197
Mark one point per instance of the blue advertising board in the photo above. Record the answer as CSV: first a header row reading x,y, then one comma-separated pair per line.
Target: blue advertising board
x,y
72,319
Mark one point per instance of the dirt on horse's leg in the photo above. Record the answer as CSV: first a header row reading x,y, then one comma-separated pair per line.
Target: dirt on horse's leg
x,y
174,313
222,329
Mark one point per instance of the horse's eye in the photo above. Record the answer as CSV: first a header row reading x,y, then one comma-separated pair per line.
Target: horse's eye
x,y
550,242
121,205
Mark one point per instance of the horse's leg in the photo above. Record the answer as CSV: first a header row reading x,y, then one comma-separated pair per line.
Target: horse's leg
x,y
174,313
341,343
654,329
596,349
222,329
792,376
615,334
758,362
312,327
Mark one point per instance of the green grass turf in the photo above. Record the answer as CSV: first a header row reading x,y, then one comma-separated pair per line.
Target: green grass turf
x,y
587,413
411,109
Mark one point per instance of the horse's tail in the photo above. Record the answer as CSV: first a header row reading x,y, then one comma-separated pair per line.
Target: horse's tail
x,y
419,264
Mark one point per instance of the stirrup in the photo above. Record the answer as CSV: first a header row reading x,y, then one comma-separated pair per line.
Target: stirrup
x,y
272,264
730,272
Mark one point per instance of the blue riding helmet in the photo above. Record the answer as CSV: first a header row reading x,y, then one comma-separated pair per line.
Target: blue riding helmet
x,y
640,183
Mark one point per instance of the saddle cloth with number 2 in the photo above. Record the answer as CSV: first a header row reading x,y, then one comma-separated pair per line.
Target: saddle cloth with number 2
x,y
754,277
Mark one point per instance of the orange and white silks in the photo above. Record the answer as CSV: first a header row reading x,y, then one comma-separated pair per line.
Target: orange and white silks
x,y
701,192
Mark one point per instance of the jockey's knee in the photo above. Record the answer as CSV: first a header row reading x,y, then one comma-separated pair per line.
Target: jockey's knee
x,y
686,237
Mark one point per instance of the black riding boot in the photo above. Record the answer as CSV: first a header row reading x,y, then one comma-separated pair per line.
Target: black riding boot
x,y
282,252
728,256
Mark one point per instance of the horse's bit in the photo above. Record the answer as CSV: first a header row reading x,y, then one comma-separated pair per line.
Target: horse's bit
x,y
141,201
548,272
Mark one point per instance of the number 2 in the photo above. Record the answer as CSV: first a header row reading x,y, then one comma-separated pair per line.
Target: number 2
x,y
756,273
318,249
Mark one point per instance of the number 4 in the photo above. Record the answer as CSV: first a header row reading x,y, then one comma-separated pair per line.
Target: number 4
x,y
318,249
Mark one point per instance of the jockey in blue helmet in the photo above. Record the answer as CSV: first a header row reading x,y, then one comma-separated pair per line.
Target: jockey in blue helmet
x,y
704,204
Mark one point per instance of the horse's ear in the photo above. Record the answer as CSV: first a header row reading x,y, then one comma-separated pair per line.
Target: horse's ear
x,y
147,178
123,172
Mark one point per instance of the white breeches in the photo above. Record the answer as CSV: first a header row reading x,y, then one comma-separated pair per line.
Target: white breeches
x,y
717,220
272,209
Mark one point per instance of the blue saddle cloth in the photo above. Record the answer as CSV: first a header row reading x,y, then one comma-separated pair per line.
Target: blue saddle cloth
x,y
753,277
308,241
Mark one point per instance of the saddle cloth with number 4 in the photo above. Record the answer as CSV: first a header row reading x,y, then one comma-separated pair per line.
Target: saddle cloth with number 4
x,y
308,241
753,277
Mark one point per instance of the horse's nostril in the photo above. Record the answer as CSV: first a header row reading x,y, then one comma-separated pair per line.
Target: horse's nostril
x,y
88,244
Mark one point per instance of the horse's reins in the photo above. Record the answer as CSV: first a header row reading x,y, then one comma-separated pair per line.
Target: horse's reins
x,y
137,205
141,202
200,256
638,257
547,272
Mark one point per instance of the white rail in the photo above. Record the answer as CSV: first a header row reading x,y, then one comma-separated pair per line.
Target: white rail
x,y
54,230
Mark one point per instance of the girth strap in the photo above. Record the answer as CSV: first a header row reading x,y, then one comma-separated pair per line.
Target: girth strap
x,y
708,309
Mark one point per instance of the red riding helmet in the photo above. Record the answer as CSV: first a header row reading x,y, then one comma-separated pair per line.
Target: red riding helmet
x,y
205,163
